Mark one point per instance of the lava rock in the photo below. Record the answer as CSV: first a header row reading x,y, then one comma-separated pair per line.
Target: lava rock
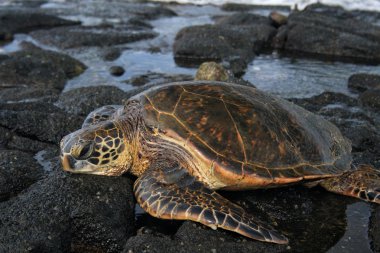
x,y
315,103
69,213
24,94
11,140
243,19
251,7
111,54
234,44
18,170
318,34
38,121
340,12
136,21
152,78
15,20
154,12
117,70
38,68
371,99
362,82
191,238
100,36
82,101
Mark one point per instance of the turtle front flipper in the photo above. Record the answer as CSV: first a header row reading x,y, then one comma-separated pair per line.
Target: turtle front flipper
x,y
363,183
174,194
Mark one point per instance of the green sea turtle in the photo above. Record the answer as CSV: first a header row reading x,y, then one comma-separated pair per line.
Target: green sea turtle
x,y
186,140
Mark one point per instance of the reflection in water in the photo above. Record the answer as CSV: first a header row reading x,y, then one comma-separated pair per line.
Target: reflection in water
x,y
356,237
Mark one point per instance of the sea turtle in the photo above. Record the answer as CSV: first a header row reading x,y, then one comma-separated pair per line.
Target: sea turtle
x,y
186,140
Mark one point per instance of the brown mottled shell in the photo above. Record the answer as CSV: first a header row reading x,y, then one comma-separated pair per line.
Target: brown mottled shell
x,y
246,133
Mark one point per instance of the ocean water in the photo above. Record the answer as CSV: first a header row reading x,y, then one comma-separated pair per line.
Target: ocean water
x,y
371,5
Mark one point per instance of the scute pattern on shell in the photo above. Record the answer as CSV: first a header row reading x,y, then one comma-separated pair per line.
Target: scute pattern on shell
x,y
247,132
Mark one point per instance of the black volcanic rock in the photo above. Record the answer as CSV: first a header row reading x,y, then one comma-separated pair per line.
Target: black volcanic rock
x,y
69,213
362,81
100,36
35,67
231,43
14,20
314,33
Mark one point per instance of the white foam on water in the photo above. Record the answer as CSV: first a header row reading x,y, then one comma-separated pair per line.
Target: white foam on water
x,y
370,5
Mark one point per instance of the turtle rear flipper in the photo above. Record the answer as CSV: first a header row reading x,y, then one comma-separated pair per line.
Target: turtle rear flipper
x,y
174,194
363,183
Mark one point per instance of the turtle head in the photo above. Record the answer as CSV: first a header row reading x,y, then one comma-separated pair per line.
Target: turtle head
x,y
97,149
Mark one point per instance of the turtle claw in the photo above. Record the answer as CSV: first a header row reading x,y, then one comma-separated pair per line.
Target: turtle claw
x,y
262,234
278,238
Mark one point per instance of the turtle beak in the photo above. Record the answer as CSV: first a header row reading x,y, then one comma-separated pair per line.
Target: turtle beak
x,y
68,162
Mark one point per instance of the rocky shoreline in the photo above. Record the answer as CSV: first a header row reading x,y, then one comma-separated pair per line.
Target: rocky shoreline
x,y
43,209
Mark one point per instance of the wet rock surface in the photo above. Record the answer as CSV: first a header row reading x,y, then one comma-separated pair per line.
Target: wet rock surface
x,y
100,36
371,98
362,82
318,33
152,78
117,71
235,44
35,67
25,20
250,7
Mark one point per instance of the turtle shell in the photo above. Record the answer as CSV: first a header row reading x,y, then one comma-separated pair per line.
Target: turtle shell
x,y
246,138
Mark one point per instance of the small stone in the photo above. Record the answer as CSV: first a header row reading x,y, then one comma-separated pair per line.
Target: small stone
x,y
362,81
211,71
370,98
117,70
278,19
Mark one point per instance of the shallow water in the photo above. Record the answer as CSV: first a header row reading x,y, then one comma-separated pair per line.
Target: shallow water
x,y
357,230
289,77
283,76
371,5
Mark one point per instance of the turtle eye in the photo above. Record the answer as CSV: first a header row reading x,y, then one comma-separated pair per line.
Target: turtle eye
x,y
84,151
